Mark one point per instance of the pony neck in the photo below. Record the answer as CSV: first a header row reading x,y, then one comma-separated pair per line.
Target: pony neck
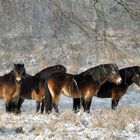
x,y
128,78
100,75
104,75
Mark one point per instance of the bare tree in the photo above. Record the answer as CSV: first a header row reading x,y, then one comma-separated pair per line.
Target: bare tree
x,y
77,33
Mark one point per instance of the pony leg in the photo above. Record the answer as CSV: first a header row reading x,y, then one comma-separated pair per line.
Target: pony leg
x,y
114,104
37,106
48,101
38,99
8,106
115,99
20,102
87,103
52,96
14,104
55,103
56,108
42,106
77,103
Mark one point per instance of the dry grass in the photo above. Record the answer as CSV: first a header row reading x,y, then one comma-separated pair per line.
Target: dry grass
x,y
100,123
98,119
117,119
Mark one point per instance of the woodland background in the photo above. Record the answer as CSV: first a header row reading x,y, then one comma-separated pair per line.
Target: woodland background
x,y
76,33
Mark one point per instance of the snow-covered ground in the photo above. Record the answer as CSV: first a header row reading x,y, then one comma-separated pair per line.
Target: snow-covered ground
x,y
102,123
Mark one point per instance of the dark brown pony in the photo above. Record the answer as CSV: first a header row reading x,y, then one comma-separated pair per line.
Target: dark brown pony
x,y
110,90
83,85
10,84
33,87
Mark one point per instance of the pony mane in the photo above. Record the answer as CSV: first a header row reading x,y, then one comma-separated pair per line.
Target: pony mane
x,y
128,71
98,73
131,67
43,74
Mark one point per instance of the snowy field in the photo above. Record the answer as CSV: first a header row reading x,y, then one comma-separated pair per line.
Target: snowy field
x,y
101,124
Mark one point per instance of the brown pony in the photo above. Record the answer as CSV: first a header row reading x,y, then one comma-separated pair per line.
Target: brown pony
x,y
10,84
129,76
33,87
83,85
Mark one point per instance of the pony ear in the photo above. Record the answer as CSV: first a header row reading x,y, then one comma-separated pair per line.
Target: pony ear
x,y
115,64
14,65
23,65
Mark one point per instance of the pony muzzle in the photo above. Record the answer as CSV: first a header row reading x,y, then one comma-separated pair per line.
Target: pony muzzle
x,y
119,80
18,79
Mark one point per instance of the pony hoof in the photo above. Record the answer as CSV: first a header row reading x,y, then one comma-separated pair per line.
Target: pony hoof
x,y
41,112
48,112
57,114
17,112
7,111
76,110
113,108
36,112
87,111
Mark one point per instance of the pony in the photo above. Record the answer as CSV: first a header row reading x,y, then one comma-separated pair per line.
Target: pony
x,y
129,76
10,84
83,85
33,87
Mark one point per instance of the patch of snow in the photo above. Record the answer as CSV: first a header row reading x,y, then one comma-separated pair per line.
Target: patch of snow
x,y
98,124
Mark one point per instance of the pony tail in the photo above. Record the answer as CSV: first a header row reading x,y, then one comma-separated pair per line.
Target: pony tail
x,y
48,99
